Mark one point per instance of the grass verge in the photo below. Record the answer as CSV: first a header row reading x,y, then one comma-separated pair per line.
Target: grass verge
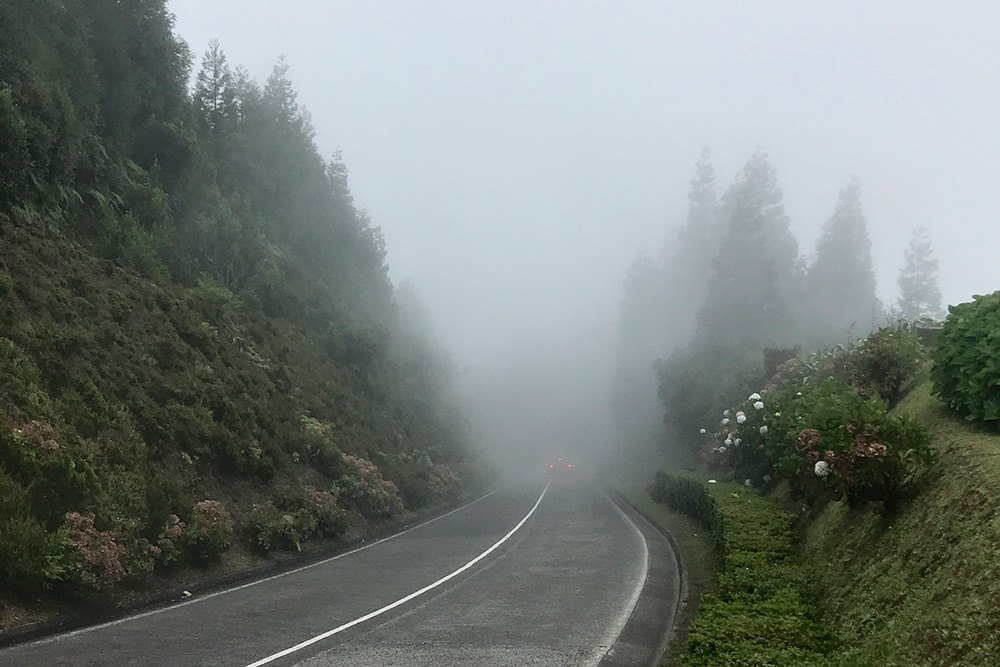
x,y
760,612
695,544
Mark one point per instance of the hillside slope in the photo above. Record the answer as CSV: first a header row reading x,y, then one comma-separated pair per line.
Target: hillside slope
x,y
920,586
200,347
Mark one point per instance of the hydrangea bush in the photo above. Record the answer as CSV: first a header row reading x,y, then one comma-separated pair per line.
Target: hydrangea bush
x,y
823,439
966,371
364,489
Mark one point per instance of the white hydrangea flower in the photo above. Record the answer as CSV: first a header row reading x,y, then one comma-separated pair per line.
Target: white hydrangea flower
x,y
759,405
729,441
754,397
741,418
763,430
722,450
737,442
725,413
725,421
822,468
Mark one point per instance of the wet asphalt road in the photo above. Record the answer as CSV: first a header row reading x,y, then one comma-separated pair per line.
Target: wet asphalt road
x,y
558,591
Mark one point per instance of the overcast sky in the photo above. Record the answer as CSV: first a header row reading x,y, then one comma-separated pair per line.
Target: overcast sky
x,y
519,154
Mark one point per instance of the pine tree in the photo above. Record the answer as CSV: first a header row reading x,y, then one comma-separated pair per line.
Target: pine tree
x,y
919,295
840,287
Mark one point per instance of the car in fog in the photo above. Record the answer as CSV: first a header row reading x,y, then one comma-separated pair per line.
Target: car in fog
x,y
560,467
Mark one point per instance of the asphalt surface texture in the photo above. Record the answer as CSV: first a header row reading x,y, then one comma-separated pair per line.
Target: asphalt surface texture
x,y
551,572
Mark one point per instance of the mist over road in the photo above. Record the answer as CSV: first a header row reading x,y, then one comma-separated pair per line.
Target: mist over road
x,y
538,573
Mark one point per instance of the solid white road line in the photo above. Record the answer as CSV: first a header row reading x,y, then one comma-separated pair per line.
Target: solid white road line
x,y
411,596
226,591
615,631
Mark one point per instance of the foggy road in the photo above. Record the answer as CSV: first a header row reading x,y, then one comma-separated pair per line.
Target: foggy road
x,y
539,574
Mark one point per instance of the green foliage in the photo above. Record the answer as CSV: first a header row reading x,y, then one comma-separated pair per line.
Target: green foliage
x,y
184,277
761,613
917,586
293,517
825,439
209,530
689,497
966,371
885,362
364,489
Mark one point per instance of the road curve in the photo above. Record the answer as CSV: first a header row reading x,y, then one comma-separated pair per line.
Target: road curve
x,y
528,575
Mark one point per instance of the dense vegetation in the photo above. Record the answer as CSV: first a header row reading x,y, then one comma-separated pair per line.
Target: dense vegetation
x,y
730,298
761,612
200,348
897,523
966,369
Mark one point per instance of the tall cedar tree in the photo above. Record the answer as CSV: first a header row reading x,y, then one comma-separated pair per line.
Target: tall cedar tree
x,y
919,295
690,265
840,287
754,274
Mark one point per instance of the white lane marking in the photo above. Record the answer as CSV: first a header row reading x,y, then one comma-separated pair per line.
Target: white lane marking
x,y
209,596
616,629
401,601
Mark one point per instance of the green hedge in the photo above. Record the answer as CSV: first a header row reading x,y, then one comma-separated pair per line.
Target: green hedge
x,y
761,614
966,372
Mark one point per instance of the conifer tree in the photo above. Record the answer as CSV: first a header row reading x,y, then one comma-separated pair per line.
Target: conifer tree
x,y
690,264
214,95
840,287
754,272
919,295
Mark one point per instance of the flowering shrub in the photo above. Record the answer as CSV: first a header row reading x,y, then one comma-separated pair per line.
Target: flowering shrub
x,y
824,438
168,544
209,530
364,489
966,371
834,362
95,555
41,435
830,437
743,447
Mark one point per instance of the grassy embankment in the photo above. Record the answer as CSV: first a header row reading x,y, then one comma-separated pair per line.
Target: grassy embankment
x,y
919,586
922,585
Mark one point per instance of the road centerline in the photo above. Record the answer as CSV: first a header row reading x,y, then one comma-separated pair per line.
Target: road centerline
x,y
378,612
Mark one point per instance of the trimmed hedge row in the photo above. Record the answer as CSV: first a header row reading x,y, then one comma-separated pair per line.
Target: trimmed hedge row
x,y
761,614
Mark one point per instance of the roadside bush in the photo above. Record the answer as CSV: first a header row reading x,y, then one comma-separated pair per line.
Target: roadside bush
x,y
92,558
208,531
885,362
294,517
966,371
274,529
364,489
24,542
